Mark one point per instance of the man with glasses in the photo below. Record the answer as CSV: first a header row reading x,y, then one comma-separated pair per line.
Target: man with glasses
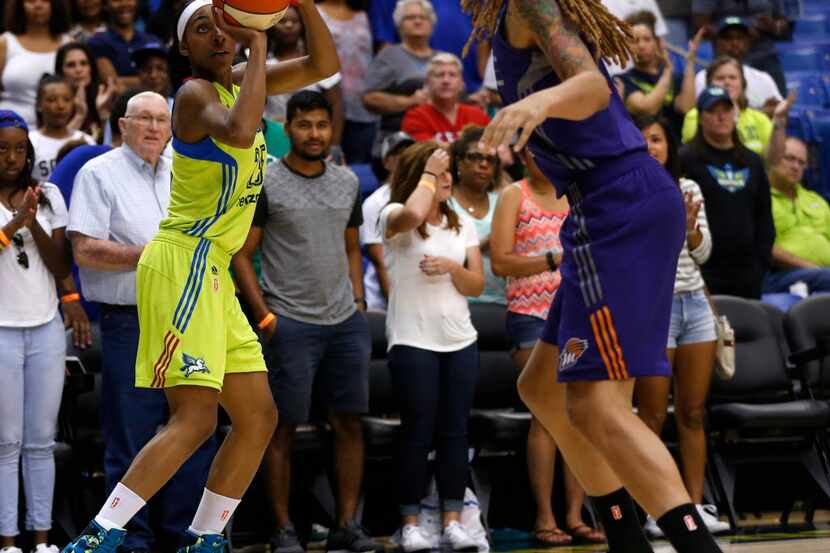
x,y
117,203
801,252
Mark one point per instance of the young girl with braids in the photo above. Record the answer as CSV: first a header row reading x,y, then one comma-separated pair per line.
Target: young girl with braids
x,y
609,320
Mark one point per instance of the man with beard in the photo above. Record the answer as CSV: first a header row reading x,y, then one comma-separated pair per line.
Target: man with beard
x,y
309,310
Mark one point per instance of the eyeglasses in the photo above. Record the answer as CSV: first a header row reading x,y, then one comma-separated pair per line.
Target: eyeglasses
x,y
22,256
149,119
475,157
414,16
792,159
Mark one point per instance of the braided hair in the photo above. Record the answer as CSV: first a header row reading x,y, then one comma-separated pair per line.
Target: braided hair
x,y
610,36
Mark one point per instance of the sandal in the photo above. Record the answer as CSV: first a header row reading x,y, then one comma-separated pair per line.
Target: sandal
x,y
551,537
582,533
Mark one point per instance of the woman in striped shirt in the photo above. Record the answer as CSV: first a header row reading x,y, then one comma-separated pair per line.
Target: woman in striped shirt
x,y
692,337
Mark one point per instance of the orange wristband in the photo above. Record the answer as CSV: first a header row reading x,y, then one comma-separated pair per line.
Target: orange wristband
x,y
266,320
4,240
427,184
67,298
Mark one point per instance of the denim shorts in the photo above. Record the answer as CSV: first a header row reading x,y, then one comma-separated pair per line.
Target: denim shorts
x,y
692,320
523,330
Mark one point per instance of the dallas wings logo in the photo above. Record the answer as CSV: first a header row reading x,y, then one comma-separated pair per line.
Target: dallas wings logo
x,y
730,179
573,350
193,365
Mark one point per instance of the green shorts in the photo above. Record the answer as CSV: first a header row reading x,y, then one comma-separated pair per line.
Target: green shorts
x,y
193,331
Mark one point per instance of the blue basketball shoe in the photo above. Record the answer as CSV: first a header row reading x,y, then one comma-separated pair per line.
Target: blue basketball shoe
x,y
206,543
96,539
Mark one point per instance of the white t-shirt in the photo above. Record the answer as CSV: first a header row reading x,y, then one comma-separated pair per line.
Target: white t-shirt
x,y
426,312
624,8
46,151
29,298
370,234
760,86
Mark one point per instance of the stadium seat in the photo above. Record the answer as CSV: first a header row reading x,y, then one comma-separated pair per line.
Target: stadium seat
x,y
820,133
368,180
757,416
815,7
782,301
811,29
807,58
381,425
811,88
808,327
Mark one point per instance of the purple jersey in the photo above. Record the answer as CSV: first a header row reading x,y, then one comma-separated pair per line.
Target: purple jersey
x,y
564,150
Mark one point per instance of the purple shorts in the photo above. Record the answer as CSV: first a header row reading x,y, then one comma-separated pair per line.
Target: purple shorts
x,y
621,241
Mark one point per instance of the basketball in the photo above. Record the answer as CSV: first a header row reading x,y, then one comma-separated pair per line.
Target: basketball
x,y
254,14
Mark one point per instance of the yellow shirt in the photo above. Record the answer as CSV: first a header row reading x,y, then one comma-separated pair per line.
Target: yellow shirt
x,y
754,129
802,226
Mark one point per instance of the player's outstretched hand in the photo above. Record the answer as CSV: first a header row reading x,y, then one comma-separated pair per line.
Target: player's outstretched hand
x,y
524,115
243,35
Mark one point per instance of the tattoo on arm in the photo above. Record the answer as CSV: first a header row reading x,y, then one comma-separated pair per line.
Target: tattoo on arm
x,y
557,36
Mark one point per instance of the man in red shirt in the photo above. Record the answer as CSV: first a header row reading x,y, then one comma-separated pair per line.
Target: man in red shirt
x,y
443,117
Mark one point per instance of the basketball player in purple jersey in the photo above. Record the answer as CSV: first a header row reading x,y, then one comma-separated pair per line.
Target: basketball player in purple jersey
x,y
610,318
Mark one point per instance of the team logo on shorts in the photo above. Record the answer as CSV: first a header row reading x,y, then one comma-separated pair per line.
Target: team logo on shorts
x,y
573,350
193,365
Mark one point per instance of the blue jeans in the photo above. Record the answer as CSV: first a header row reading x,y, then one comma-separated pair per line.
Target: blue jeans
x,y
130,417
435,392
692,320
32,365
817,280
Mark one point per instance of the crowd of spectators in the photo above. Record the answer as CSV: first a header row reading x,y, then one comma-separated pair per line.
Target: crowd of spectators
x,y
86,93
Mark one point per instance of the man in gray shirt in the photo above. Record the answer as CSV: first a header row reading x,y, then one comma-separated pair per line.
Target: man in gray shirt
x,y
309,310
118,200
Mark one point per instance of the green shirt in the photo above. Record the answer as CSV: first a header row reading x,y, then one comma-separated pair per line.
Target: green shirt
x,y
754,129
802,226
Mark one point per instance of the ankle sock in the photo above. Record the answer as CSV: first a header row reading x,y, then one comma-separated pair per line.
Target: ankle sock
x,y
213,513
120,507
622,526
686,531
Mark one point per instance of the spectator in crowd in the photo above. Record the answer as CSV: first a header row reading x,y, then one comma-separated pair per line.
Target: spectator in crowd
x,y
769,21
34,32
151,67
691,341
756,131
651,86
526,249
733,40
88,16
32,341
396,75
93,99
353,36
450,31
433,261
112,47
310,311
161,24
288,38
475,181
118,201
376,278
802,226
442,117
624,9
737,195
55,106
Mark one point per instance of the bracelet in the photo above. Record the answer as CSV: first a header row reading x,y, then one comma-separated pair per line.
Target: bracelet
x,y
266,320
68,298
551,260
4,240
427,184
361,301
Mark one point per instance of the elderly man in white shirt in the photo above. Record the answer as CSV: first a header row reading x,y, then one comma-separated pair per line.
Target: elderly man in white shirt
x,y
118,201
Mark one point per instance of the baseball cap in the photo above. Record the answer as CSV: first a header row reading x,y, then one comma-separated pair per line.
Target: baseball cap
x,y
395,142
140,55
710,96
732,21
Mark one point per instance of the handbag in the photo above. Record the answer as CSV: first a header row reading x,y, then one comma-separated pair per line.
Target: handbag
x,y
725,352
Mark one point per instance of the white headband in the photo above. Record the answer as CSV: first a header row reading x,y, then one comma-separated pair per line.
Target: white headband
x,y
187,13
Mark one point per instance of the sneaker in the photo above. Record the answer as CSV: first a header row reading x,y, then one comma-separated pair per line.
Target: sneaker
x,y
95,538
206,543
457,537
413,539
651,529
285,540
45,548
353,538
11,549
709,514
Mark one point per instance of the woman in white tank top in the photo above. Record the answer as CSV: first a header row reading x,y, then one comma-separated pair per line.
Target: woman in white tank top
x,y
27,51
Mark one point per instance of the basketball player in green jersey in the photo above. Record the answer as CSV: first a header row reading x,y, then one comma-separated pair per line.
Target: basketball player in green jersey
x,y
195,342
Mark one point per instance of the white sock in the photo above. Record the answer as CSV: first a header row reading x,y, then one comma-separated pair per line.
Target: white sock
x,y
120,507
213,513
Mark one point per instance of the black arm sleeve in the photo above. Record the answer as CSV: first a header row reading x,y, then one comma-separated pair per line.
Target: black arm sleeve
x,y
261,213
356,218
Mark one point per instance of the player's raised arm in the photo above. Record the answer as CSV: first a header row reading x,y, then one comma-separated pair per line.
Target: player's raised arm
x,y
320,63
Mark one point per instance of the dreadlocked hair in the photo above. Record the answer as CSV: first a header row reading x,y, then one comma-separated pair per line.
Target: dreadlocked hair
x,y
610,37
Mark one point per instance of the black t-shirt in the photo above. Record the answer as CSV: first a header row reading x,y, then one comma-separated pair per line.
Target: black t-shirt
x,y
738,208
635,80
